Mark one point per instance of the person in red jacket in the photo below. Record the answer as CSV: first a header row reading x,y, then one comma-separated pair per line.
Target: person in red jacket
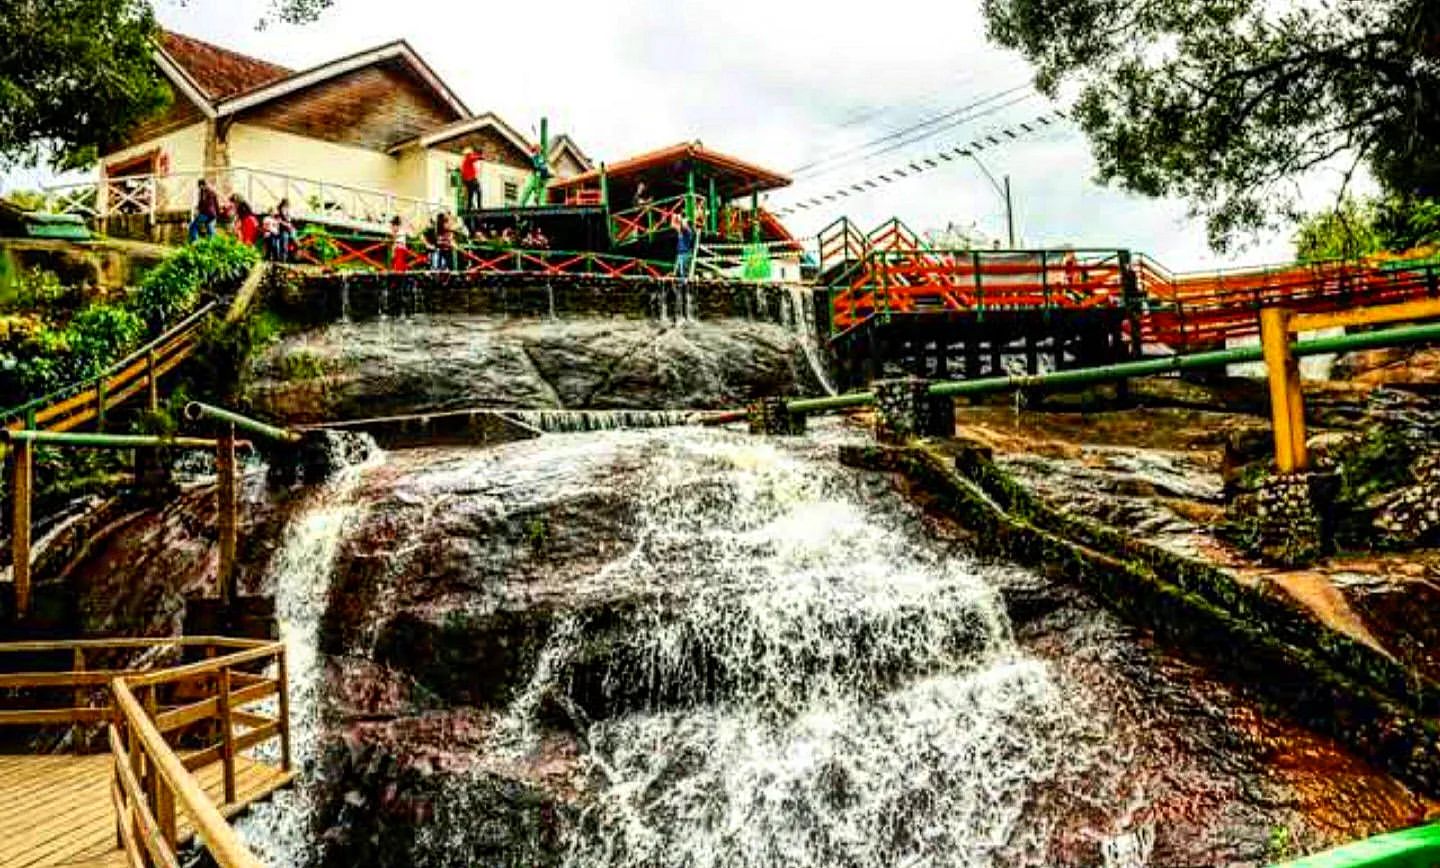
x,y
470,176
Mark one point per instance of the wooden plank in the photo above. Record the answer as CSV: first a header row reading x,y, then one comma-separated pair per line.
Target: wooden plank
x,y
90,678
187,714
53,716
1428,308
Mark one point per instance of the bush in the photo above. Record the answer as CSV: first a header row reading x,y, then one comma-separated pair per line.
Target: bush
x,y
172,288
319,241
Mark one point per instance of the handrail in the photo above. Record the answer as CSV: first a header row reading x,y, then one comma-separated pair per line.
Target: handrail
x,y
182,329
150,778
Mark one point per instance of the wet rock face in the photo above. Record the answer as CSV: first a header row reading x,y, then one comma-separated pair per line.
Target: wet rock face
x,y
438,362
600,650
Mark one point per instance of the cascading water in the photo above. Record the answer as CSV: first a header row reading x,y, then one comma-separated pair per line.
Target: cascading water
x,y
805,680
279,830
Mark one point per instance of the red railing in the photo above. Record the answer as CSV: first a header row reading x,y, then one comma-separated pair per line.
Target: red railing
x,y
371,254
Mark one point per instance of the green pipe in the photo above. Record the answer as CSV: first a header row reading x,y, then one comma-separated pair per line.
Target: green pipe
x,y
196,411
837,402
104,441
1191,362
1403,335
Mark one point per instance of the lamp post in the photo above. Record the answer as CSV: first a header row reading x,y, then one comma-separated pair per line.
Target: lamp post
x,y
1004,192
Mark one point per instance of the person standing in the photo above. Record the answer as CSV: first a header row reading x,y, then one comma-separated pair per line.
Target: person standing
x,y
444,256
684,246
399,245
284,231
247,225
470,177
207,209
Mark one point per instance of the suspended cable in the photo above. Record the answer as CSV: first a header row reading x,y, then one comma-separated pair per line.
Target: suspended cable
x,y
909,130
908,170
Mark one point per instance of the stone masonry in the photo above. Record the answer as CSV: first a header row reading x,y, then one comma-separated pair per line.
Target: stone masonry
x,y
904,410
771,416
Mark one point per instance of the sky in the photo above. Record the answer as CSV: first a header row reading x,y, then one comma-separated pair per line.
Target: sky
x,y
782,83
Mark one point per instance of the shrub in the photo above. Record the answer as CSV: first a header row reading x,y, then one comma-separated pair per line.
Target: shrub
x,y
319,241
172,288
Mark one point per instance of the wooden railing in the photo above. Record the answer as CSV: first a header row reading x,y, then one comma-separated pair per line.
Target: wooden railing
x,y
87,400
165,726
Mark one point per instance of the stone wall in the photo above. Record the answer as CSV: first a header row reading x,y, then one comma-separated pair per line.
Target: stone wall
x,y
97,264
1323,679
315,297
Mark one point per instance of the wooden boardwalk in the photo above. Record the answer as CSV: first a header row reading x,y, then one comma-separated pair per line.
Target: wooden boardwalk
x,y
58,809
182,759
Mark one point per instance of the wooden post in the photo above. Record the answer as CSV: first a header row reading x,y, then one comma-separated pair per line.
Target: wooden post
x,y
1287,409
165,815
22,470
228,506
150,380
82,697
152,780
284,676
100,403
227,741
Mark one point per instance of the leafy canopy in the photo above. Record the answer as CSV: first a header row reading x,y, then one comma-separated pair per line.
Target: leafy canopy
x,y
1356,228
1228,103
77,75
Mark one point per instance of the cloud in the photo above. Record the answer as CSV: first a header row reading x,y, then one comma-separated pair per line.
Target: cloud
x,y
777,82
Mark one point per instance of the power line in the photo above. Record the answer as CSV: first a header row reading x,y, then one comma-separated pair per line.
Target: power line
x,y
905,143
907,131
994,139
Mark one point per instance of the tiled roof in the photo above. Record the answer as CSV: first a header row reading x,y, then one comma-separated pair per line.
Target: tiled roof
x,y
219,72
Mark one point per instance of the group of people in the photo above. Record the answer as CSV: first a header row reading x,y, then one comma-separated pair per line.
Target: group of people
x,y
443,238
273,231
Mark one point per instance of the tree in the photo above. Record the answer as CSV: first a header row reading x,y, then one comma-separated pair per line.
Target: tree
x,y
1231,103
77,75
1356,228
74,75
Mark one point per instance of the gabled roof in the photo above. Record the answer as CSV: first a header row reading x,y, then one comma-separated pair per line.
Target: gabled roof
x,y
563,142
216,72
223,82
742,176
465,127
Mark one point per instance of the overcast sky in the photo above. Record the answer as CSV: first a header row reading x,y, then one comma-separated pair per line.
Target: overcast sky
x,y
779,82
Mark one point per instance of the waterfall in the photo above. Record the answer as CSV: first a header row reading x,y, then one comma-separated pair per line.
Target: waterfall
x,y
278,831
797,676
575,421
802,322
344,298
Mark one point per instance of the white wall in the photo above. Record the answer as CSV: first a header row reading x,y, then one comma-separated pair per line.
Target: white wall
x,y
270,150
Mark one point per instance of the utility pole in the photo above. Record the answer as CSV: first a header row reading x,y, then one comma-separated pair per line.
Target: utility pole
x,y
1004,193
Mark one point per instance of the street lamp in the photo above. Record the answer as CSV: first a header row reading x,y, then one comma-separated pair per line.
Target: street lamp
x,y
1004,195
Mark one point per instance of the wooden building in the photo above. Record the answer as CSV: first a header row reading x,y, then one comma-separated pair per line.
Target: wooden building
x,y
376,122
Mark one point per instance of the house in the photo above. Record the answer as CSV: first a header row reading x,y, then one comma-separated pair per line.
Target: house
x,y
353,140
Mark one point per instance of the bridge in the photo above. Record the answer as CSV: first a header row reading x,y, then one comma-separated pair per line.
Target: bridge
x,y
157,755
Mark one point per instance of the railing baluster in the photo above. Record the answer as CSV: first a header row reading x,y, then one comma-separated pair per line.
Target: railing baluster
x,y
81,698
227,736
284,676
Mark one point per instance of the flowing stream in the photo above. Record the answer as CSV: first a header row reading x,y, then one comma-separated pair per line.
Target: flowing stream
x,y
799,676
279,830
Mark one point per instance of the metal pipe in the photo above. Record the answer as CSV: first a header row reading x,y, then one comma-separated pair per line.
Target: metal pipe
x,y
836,402
104,441
1144,368
1194,361
195,411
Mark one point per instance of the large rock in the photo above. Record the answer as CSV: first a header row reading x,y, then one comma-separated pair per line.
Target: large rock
x,y
439,362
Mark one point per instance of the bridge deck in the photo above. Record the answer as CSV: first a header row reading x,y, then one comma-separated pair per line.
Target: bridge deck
x,y
57,810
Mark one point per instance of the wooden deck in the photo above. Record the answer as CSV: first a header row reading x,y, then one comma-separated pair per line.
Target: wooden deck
x,y
57,810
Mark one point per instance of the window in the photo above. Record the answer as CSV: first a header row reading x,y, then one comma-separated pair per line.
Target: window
x,y
512,192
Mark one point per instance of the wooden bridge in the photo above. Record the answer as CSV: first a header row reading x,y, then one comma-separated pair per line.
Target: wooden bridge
x,y
154,756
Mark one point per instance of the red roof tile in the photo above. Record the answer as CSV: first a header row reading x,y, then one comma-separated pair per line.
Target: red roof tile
x,y
218,71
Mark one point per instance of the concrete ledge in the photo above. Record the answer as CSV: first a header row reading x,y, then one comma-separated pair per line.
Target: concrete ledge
x,y
460,427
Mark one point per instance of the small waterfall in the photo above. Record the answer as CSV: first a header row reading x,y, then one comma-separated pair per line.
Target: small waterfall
x,y
344,298
576,421
802,322
279,830
812,684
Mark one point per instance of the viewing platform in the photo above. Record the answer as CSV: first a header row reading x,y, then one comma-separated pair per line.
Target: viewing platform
x,y
154,757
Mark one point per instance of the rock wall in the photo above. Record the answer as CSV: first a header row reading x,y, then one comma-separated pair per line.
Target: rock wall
x,y
1326,681
431,363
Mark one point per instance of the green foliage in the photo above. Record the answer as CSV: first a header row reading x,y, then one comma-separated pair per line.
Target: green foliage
x,y
303,365
26,200
75,76
318,239
1229,102
1278,846
100,334
35,290
1346,232
173,287
1359,228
